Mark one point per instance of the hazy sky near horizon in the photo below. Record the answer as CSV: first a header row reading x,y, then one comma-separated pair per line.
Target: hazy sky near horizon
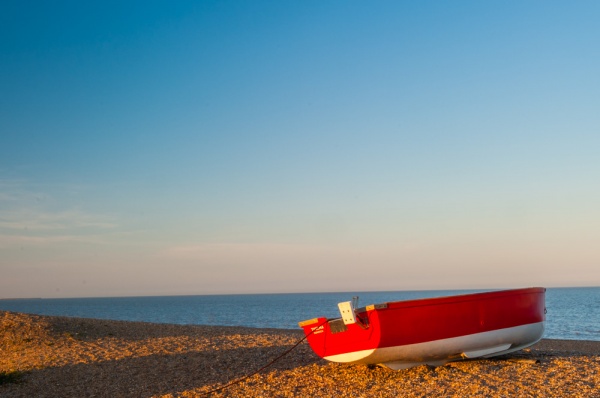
x,y
200,147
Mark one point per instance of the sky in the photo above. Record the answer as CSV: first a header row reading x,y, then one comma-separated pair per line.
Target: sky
x,y
223,147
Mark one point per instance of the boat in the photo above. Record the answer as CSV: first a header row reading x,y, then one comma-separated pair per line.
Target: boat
x,y
431,331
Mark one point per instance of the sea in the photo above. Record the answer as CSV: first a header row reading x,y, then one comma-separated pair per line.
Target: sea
x,y
572,313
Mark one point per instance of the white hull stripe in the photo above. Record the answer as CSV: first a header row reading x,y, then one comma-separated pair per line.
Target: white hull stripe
x,y
438,352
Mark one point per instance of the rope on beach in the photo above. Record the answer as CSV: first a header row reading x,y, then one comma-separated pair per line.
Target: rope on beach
x,y
231,383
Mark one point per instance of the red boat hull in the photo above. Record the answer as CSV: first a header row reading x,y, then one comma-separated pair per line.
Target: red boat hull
x,y
434,330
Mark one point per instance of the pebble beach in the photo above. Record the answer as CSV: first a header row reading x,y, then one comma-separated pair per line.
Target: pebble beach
x,y
44,356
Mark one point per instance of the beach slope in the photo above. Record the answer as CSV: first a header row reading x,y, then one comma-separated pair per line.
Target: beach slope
x,y
46,356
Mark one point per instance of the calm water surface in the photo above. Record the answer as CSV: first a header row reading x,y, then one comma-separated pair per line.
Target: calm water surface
x,y
573,313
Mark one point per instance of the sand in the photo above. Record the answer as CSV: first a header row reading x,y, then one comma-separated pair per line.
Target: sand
x,y
45,356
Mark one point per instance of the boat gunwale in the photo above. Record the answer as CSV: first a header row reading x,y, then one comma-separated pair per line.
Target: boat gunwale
x,y
426,301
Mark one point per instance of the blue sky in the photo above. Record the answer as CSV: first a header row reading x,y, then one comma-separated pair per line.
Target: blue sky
x,y
150,148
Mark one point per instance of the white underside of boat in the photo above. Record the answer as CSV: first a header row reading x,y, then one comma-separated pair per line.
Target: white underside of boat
x,y
439,352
